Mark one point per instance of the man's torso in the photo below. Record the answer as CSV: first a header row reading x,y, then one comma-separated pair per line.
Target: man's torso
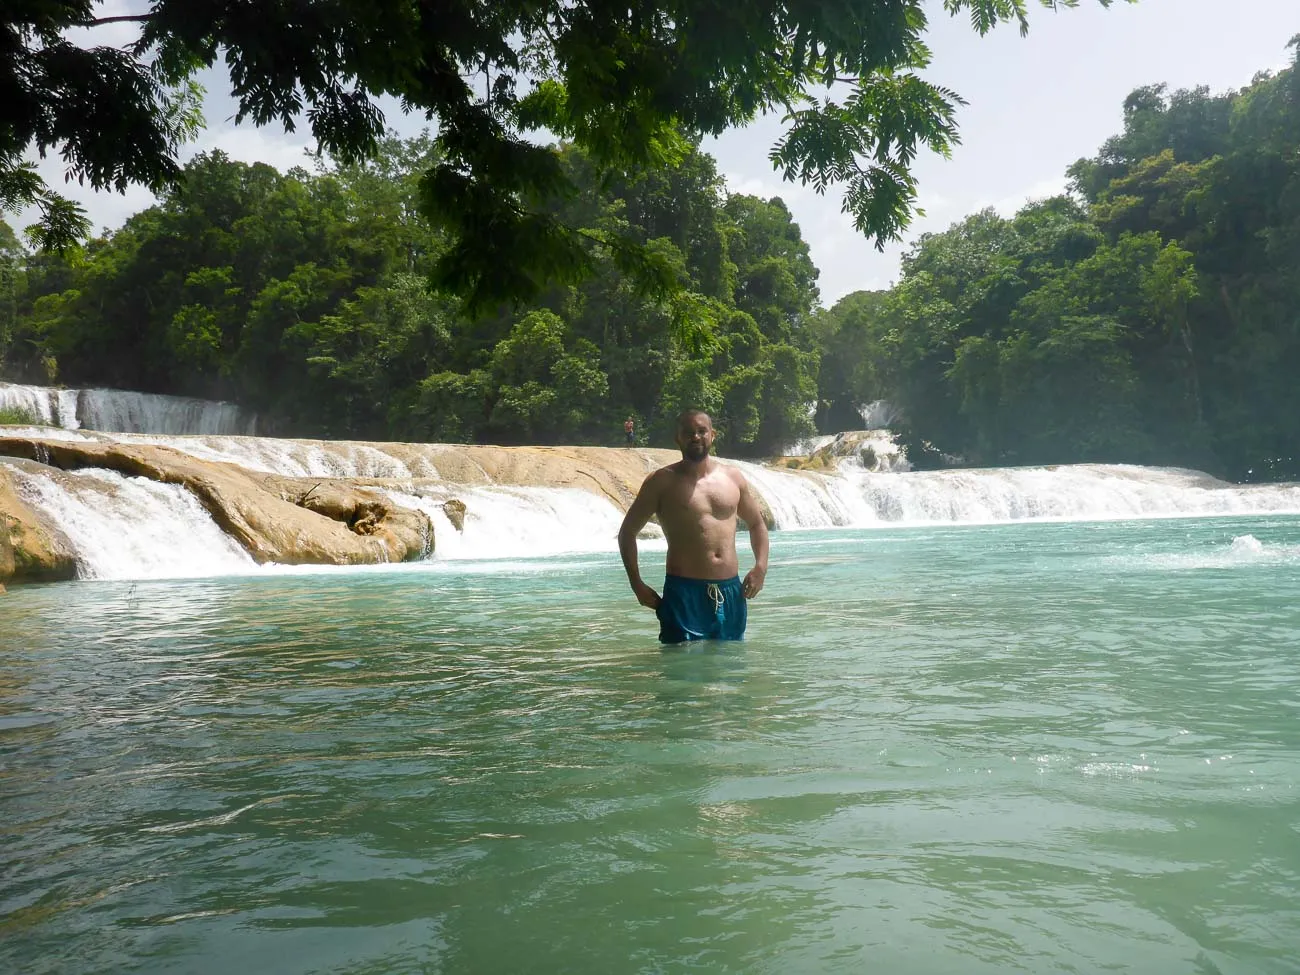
x,y
699,520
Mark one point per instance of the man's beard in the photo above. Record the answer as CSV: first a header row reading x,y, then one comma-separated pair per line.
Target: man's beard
x,y
695,452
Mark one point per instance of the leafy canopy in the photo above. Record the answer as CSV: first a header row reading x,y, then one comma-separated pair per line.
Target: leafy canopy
x,y
630,83
1148,318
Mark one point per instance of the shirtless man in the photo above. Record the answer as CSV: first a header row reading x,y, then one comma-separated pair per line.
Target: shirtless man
x,y
697,501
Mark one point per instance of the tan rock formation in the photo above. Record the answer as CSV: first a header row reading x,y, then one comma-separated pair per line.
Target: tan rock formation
x,y
314,520
277,519
30,547
614,472
455,509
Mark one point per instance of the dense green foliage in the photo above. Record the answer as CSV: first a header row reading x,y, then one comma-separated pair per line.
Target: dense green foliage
x,y
1154,317
621,81
304,296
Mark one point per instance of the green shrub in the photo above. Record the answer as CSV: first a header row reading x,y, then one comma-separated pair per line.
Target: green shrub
x,y
17,416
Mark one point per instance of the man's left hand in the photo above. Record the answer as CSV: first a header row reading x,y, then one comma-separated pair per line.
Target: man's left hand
x,y
753,583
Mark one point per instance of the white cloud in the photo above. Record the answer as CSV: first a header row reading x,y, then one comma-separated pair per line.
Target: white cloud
x,y
109,35
273,146
1010,204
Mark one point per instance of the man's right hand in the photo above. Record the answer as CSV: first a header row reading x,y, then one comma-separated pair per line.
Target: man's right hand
x,y
646,596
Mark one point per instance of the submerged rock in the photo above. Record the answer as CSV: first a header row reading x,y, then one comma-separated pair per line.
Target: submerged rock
x,y
455,510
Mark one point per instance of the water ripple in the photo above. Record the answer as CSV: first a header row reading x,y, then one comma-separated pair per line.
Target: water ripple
x,y
1025,748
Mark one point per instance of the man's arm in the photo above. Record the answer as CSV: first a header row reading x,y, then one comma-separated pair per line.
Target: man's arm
x,y
645,505
752,513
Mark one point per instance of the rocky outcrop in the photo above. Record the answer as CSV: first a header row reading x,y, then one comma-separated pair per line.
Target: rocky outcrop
x,y
872,450
307,520
614,472
276,519
455,509
31,548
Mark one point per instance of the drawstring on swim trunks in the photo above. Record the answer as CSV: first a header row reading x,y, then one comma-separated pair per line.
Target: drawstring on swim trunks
x,y
715,593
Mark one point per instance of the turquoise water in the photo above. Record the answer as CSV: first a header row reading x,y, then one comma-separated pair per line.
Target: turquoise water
x,y
1041,748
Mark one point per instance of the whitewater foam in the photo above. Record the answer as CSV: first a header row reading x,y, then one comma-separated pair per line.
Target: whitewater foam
x,y
1246,545
1243,551
510,522
133,527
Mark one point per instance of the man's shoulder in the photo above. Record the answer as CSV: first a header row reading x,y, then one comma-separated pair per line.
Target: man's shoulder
x,y
659,477
734,474
665,478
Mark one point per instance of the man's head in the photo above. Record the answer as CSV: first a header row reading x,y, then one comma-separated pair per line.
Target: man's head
x,y
694,435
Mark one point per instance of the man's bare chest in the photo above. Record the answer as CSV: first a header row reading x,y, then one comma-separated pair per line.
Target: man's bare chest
x,y
716,497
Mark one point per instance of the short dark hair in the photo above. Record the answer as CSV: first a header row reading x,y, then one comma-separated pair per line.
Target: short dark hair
x,y
685,415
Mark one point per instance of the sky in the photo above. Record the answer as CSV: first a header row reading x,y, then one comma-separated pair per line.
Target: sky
x,y
1035,104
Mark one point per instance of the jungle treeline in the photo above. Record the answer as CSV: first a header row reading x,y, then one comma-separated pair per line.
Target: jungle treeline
x,y
1150,315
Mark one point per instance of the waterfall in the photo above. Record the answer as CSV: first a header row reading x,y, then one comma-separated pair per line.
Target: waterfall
x,y
1079,492
120,411
867,450
808,446
870,450
44,404
132,527
852,497
114,410
303,458
879,415
515,522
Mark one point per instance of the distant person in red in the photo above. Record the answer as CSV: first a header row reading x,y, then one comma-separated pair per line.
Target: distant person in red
x,y
629,431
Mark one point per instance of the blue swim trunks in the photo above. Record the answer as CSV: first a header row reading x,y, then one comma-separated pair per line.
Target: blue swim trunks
x,y
701,609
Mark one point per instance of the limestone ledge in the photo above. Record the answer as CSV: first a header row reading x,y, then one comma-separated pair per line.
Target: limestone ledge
x,y
615,473
302,520
32,549
289,520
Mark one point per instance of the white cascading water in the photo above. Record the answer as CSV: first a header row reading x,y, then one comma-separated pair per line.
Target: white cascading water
x,y
121,411
873,450
44,404
808,446
297,458
113,410
879,415
292,458
513,522
134,528
852,498
1079,492
504,522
